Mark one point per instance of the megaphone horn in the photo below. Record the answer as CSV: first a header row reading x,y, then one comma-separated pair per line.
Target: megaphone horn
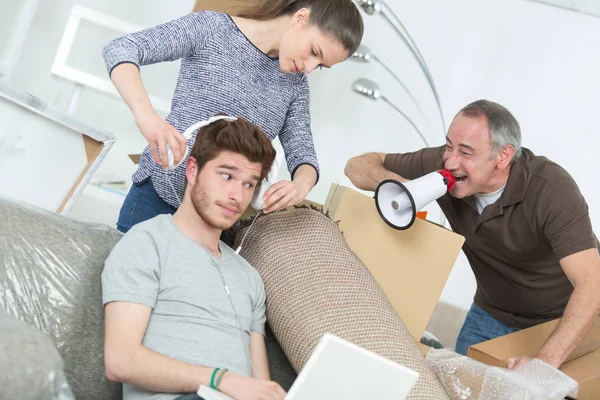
x,y
398,203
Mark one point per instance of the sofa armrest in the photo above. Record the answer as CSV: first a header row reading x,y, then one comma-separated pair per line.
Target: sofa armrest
x,y
30,364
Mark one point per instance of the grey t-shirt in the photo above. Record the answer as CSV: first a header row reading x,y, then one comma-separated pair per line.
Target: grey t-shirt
x,y
192,320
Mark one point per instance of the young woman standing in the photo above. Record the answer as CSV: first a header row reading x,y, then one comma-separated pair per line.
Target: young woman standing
x,y
251,65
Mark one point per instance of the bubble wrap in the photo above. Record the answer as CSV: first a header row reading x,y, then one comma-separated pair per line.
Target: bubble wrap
x,y
467,379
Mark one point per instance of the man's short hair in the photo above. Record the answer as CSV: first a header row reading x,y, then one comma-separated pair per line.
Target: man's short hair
x,y
503,126
239,136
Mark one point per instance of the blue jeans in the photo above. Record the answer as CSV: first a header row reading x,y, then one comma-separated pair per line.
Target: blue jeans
x,y
142,203
479,327
189,397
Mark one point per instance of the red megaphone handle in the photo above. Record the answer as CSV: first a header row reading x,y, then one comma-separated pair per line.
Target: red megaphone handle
x,y
451,181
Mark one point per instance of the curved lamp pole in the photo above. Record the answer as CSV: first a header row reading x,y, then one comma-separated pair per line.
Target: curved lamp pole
x,y
371,90
364,54
372,7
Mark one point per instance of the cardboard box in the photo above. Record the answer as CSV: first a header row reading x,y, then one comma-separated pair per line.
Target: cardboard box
x,y
411,266
46,157
583,364
135,158
424,349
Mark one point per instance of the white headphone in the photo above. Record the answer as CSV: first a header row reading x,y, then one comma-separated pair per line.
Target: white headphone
x,y
188,135
257,200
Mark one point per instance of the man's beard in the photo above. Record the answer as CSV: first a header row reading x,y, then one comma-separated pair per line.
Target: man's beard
x,y
201,203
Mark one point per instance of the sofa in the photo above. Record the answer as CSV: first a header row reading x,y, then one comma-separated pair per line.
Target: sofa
x,y
51,313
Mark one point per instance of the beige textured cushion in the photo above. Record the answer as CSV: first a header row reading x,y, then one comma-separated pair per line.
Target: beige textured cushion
x,y
316,284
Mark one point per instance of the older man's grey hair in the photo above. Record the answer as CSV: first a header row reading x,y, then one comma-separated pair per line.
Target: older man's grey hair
x,y
503,126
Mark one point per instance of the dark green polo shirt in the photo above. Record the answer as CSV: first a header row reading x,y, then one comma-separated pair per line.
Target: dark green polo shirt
x,y
515,245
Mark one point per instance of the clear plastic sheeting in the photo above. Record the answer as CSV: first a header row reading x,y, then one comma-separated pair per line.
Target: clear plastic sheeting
x,y
32,368
49,265
467,379
50,278
60,389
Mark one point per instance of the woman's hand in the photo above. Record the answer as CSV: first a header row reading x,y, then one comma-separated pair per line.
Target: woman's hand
x,y
284,194
159,133
245,388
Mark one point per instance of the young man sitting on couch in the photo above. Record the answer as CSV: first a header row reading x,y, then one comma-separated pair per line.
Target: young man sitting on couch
x,y
182,309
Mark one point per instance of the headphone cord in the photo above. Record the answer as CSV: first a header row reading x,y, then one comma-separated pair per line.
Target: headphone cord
x,y
213,262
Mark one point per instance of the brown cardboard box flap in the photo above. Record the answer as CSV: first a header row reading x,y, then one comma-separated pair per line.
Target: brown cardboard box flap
x,y
423,348
583,364
226,6
135,158
528,342
411,266
92,151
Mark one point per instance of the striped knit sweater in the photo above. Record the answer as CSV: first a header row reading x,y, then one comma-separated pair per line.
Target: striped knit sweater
x,y
221,71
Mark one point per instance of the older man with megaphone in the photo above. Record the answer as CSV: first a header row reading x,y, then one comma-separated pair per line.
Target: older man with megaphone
x,y
529,237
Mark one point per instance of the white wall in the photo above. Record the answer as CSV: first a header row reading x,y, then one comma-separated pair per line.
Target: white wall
x,y
540,62
32,71
32,74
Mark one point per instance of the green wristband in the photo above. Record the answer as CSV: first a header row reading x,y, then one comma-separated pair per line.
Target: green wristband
x,y
219,378
212,378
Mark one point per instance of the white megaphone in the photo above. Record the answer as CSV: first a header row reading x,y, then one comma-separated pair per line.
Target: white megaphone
x,y
188,135
398,203
257,200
